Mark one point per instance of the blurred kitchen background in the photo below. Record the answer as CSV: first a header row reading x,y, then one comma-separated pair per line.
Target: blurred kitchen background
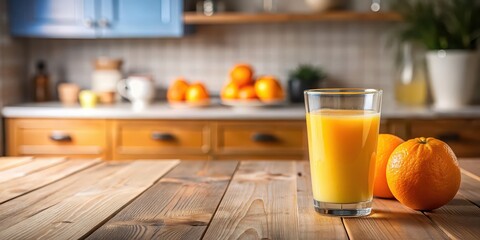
x,y
354,53
329,43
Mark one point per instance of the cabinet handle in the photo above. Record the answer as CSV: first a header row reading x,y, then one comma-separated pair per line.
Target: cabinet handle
x,y
89,23
264,137
449,137
162,136
60,137
103,23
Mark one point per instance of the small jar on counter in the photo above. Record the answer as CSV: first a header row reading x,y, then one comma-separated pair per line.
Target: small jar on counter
x,y
105,77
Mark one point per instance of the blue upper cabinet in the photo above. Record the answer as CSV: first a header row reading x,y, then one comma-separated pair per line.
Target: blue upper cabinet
x,y
52,18
96,18
140,18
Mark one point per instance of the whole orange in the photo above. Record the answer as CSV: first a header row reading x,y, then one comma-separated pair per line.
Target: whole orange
x,y
242,75
386,144
177,90
268,88
247,93
230,91
423,173
196,92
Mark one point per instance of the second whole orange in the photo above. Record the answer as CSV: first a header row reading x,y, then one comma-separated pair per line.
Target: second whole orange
x,y
423,173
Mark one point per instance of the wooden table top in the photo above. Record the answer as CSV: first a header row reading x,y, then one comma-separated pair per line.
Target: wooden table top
x,y
170,199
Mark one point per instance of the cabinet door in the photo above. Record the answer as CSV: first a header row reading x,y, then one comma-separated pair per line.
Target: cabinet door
x,y
140,18
52,18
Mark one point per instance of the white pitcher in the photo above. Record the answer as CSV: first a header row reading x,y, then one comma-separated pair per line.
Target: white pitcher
x,y
140,90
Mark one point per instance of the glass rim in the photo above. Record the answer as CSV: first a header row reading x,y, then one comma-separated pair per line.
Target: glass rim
x,y
342,91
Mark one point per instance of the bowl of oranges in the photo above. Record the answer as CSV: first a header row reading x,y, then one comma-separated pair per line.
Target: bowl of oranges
x,y
182,94
242,90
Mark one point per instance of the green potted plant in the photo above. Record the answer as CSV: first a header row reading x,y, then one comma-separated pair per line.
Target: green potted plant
x,y
302,78
450,30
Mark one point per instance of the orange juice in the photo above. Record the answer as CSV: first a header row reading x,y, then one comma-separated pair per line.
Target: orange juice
x,y
342,145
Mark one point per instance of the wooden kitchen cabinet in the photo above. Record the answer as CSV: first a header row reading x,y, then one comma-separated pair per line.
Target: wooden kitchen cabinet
x,y
205,139
462,135
46,137
260,140
140,139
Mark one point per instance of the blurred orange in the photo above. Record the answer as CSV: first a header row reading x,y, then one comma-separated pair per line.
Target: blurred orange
x,y
177,90
196,92
247,93
242,75
268,88
230,91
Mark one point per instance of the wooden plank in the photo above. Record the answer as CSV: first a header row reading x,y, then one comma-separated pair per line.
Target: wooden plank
x,y
29,168
21,208
179,206
312,225
10,162
260,203
470,188
459,219
79,214
471,165
20,186
392,220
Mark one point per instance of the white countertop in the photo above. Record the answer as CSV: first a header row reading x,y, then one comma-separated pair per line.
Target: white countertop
x,y
162,110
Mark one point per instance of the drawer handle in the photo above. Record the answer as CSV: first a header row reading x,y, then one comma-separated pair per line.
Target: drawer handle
x,y
162,136
60,137
449,137
264,137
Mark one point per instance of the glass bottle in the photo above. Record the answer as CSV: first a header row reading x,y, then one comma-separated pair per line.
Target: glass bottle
x,y
41,83
411,86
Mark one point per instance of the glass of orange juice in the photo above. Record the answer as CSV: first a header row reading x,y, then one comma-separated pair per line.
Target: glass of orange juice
x,y
342,126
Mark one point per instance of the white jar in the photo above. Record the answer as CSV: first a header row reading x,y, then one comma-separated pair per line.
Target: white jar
x,y
105,78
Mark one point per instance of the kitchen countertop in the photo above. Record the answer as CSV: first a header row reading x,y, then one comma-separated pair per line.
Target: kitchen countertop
x,y
169,199
162,110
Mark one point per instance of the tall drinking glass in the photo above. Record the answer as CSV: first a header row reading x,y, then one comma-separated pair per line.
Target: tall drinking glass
x,y
343,127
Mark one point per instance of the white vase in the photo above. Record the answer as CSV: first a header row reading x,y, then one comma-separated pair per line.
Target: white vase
x,y
452,77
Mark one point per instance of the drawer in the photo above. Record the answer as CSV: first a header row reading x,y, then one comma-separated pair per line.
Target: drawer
x,y
261,137
161,139
463,136
46,137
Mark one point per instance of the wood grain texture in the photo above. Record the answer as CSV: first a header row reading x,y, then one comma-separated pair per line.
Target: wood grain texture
x,y
23,207
470,188
459,219
20,186
392,220
24,170
10,162
77,215
312,225
179,206
471,165
260,203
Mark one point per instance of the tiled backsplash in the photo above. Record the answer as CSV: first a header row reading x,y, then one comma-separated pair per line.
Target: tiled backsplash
x,y
354,54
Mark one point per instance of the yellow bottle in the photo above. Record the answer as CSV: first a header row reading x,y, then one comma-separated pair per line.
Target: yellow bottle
x,y
411,86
